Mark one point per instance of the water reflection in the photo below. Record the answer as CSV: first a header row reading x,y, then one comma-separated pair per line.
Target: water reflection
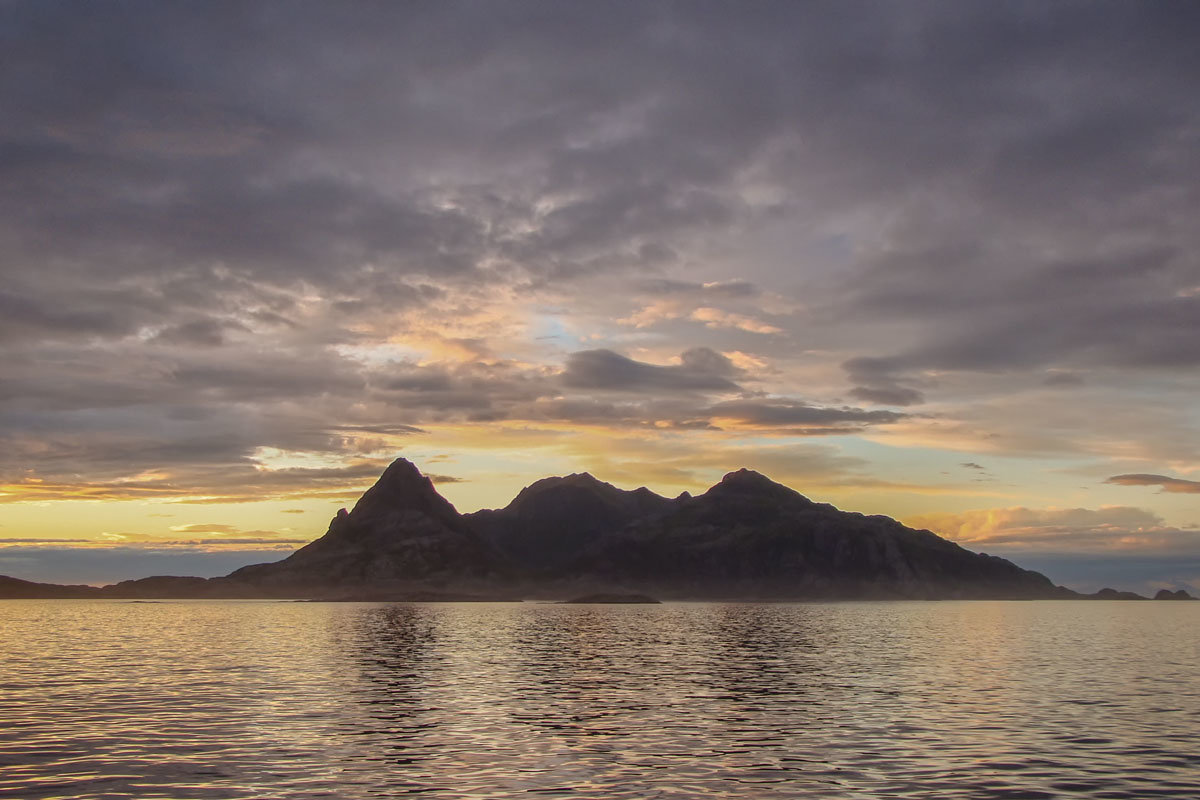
x,y
253,700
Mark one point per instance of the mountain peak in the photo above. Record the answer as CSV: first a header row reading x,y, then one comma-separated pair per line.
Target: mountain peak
x,y
400,469
578,480
748,482
747,476
402,486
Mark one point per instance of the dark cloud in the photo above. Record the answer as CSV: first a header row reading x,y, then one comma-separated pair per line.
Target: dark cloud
x,y
887,395
1173,485
208,212
881,386
199,333
1063,380
702,370
787,412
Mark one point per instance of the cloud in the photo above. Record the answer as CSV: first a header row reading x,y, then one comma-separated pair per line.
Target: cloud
x,y
285,248
1063,530
199,333
880,384
778,413
887,395
205,528
1172,485
1063,380
717,318
701,370
185,483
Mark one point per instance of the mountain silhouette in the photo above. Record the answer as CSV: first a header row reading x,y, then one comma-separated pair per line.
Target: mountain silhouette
x,y
553,520
400,534
747,537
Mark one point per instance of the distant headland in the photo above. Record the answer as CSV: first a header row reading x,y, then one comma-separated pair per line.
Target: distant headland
x,y
746,538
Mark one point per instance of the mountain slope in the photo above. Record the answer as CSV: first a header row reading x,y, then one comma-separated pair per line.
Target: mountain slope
x,y
554,520
400,536
751,537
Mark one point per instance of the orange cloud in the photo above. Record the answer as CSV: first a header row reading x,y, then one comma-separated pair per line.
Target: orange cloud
x,y
1060,529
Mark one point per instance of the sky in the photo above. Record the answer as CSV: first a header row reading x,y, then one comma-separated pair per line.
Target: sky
x,y
935,260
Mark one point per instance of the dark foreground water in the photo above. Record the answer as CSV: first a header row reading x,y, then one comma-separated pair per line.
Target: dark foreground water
x,y
886,700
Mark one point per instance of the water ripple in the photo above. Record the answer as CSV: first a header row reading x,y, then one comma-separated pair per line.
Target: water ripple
x,y
303,701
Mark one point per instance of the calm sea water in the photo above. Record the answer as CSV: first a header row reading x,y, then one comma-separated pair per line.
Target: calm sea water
x,y
302,700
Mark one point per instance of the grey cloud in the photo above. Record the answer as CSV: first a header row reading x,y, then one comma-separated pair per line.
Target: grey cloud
x,y
702,370
881,385
199,333
1172,485
708,361
482,391
25,316
1013,187
390,429
787,412
666,286
1063,380
887,395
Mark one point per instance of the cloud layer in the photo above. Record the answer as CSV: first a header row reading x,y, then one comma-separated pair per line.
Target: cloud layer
x,y
251,252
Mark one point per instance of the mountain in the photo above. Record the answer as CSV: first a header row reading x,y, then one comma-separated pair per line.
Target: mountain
x,y
553,520
17,589
747,537
401,536
1167,594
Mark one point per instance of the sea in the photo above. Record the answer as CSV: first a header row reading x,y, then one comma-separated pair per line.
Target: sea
x,y
257,699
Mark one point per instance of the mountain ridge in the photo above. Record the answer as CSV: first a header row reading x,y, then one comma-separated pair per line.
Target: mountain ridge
x,y
746,537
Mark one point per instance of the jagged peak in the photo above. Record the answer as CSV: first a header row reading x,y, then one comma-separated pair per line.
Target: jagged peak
x,y
400,469
403,485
